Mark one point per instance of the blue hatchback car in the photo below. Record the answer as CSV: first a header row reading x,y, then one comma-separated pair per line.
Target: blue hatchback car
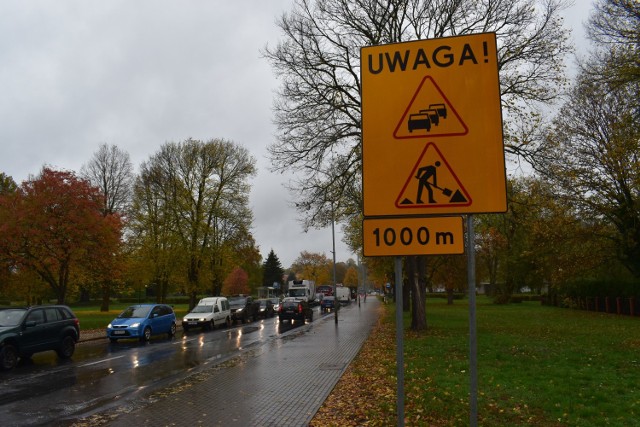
x,y
141,321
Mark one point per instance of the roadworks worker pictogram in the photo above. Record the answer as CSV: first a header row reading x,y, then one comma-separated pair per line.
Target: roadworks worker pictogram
x,y
432,176
429,114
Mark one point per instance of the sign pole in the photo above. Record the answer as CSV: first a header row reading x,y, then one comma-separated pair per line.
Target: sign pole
x,y
399,342
473,341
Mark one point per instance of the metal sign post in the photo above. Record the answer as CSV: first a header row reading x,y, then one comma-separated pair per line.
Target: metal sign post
x,y
473,339
399,342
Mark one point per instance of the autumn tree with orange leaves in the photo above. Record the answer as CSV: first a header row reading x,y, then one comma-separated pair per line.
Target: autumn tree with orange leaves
x,y
237,282
52,225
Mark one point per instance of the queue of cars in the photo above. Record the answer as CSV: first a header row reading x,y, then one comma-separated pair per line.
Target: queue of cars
x,y
28,330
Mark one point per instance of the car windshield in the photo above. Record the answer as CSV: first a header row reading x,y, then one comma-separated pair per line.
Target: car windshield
x,y
263,303
237,301
275,301
297,292
135,311
202,309
11,317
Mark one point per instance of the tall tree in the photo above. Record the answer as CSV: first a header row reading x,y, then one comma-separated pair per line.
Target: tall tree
x,y
318,108
593,159
53,225
313,266
110,170
203,191
614,28
237,282
152,246
540,240
272,270
7,184
597,133
351,278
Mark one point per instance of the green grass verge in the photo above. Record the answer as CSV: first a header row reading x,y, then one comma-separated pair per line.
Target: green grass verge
x,y
537,366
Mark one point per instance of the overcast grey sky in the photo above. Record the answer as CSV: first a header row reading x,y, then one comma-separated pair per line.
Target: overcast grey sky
x,y
79,73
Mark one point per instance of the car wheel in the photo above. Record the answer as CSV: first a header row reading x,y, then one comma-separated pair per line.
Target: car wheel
x,y
8,357
67,347
228,322
172,331
113,339
146,335
185,328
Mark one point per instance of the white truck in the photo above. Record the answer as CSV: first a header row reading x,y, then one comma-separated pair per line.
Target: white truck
x,y
304,290
343,294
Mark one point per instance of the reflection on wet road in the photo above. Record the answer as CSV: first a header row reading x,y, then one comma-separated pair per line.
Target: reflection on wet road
x,y
102,375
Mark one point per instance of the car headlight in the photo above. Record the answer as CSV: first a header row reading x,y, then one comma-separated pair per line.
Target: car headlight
x,y
239,310
109,326
135,325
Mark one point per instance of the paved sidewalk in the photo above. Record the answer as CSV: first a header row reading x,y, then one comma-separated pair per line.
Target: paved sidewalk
x,y
281,383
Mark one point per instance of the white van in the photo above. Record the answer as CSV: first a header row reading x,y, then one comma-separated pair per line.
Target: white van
x,y
343,294
209,313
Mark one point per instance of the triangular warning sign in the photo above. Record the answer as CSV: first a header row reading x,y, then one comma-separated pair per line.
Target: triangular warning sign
x,y
432,183
429,114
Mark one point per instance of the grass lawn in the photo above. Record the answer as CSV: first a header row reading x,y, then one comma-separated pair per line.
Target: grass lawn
x,y
537,366
92,318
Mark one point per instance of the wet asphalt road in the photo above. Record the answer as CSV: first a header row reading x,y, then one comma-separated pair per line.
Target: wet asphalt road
x,y
101,375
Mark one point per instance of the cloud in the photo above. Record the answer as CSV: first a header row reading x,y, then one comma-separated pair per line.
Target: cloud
x,y
80,73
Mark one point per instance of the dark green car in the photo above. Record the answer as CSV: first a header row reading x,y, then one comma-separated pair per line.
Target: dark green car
x,y
28,330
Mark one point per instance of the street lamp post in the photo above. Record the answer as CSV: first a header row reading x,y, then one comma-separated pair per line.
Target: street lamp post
x,y
335,283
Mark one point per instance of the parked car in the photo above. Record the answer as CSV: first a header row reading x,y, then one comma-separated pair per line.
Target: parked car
x,y
141,321
325,289
328,304
243,308
28,330
266,308
295,310
209,313
276,304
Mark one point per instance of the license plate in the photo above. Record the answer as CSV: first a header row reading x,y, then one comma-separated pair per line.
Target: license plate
x,y
118,332
193,323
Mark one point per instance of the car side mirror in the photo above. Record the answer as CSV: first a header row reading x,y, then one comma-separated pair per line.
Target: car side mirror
x,y
30,324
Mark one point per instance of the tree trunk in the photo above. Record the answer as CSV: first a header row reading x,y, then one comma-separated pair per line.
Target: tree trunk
x,y
193,296
449,296
419,315
406,285
106,295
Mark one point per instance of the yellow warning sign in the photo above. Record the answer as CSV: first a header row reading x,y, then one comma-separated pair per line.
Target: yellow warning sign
x,y
429,114
432,184
412,236
432,128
